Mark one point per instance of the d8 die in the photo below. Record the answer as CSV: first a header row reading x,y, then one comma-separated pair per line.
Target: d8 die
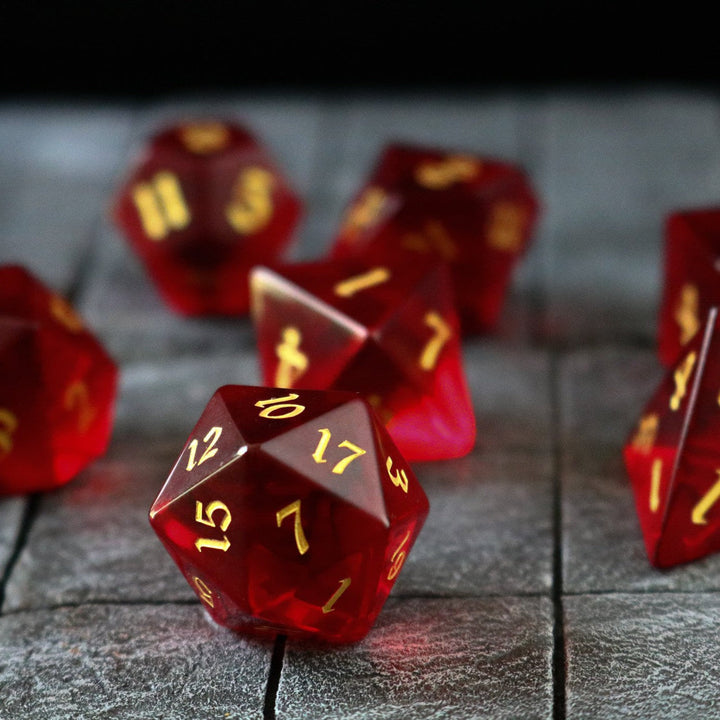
x,y
290,512
201,206
673,456
691,278
57,387
389,333
475,213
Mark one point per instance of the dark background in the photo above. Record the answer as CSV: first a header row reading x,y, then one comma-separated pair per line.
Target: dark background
x,y
154,48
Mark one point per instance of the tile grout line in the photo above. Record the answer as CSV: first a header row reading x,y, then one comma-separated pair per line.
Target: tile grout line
x,y
559,658
273,681
29,514
530,118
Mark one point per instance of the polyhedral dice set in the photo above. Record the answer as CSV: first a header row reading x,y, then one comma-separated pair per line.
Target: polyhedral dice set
x,y
292,506
305,506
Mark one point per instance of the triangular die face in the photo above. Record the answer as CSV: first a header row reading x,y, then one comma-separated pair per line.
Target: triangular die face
x,y
424,327
214,442
262,413
336,451
25,450
655,445
691,278
651,474
21,294
423,338
704,225
404,495
302,341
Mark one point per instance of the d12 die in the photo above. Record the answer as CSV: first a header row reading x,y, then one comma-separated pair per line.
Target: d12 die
x,y
290,512
201,206
57,387
691,278
475,213
673,456
388,333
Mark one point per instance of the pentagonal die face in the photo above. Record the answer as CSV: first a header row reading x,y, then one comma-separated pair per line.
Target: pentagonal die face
x,y
290,512
475,213
201,206
691,283
57,387
388,332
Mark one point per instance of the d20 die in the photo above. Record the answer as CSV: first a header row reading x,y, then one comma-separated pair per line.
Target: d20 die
x,y
673,456
691,282
390,333
290,512
57,387
476,213
201,205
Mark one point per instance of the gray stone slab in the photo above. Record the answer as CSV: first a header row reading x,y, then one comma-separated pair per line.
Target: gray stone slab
x,y
510,387
473,658
489,531
137,661
91,540
635,656
603,392
163,401
613,166
11,514
56,168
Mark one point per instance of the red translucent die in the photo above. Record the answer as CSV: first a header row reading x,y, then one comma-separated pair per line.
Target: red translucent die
x,y
57,387
201,206
290,512
390,334
673,456
476,213
691,278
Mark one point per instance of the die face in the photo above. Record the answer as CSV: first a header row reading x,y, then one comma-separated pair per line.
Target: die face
x,y
293,534
80,382
25,446
474,213
650,453
202,206
59,405
673,457
691,269
390,334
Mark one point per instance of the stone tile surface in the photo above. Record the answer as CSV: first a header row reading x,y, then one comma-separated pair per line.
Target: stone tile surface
x,y
639,656
424,659
91,540
56,168
489,531
536,526
128,661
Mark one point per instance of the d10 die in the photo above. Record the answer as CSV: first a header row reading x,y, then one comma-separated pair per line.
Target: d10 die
x,y
201,206
290,512
475,213
390,333
673,456
691,278
57,387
